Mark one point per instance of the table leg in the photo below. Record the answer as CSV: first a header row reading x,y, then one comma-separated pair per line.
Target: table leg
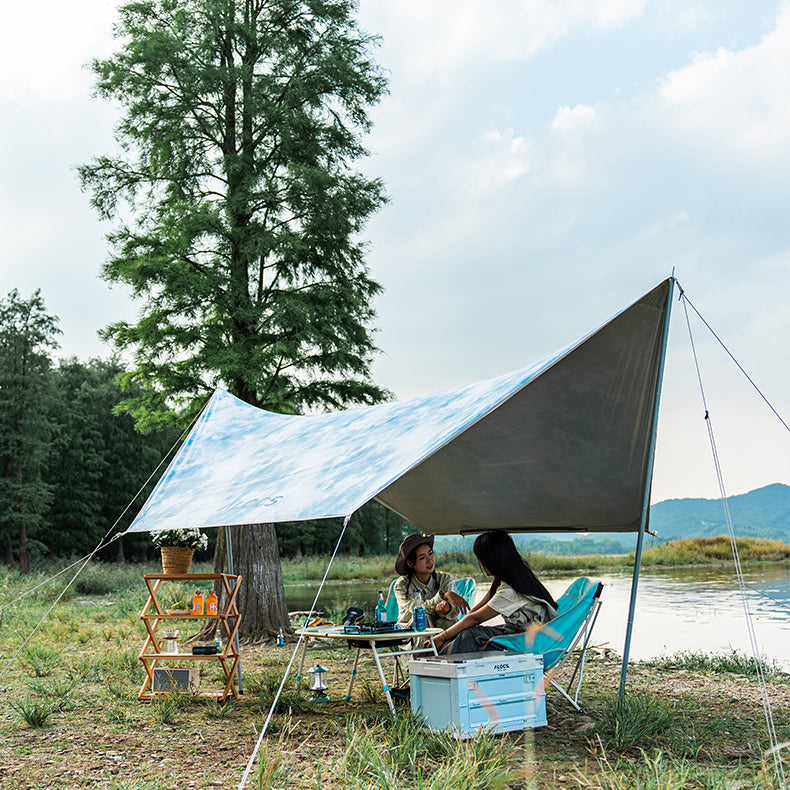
x,y
301,662
383,679
353,675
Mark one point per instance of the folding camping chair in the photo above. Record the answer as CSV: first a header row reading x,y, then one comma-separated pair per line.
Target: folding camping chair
x,y
577,611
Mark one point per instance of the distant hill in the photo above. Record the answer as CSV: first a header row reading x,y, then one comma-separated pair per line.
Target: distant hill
x,y
762,513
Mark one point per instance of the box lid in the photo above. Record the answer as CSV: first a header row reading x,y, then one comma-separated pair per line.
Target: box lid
x,y
475,664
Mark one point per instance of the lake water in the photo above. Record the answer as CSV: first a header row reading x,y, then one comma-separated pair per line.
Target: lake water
x,y
677,609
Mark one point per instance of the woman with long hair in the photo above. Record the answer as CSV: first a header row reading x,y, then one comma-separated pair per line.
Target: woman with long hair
x,y
516,594
420,582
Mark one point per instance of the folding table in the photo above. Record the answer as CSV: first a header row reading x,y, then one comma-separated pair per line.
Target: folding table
x,y
387,644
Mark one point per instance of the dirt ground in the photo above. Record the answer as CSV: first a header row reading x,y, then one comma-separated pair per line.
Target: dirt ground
x,y
100,741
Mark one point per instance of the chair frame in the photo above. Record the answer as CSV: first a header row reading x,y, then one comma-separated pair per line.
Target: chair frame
x,y
583,634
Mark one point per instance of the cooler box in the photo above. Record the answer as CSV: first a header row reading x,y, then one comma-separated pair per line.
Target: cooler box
x,y
500,692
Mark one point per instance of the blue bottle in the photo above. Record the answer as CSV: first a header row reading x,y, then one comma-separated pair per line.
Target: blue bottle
x,y
381,608
280,637
419,613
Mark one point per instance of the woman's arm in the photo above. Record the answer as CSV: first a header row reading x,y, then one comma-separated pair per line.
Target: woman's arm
x,y
482,602
477,616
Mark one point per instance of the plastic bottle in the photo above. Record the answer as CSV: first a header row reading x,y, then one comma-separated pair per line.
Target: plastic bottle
x,y
419,613
197,603
280,637
381,608
218,640
211,603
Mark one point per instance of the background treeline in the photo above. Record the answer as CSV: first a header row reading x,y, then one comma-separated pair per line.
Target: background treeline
x,y
74,468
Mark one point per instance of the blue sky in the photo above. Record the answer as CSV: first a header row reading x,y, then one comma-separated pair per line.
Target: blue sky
x,y
547,163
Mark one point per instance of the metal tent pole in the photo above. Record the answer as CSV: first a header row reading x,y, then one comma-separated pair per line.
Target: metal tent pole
x,y
229,547
646,498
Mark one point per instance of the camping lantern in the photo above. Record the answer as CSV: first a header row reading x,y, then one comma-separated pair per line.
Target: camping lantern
x,y
318,683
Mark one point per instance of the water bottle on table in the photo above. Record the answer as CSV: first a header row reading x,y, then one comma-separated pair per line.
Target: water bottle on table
x,y
381,609
419,613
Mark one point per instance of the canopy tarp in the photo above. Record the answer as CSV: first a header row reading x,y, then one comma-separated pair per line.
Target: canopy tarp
x,y
561,445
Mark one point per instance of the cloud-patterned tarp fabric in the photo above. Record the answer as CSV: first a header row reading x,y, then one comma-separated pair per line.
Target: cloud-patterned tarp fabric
x,y
243,465
569,448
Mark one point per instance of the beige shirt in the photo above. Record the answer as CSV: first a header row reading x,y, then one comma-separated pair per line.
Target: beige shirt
x,y
519,610
406,591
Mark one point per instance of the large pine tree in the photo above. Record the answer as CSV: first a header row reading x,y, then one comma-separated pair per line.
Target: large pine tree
x,y
237,216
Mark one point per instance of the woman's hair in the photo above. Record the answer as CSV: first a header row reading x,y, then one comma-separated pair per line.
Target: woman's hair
x,y
498,554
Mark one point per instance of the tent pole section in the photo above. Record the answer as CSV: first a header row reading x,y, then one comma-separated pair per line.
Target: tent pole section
x,y
231,571
646,498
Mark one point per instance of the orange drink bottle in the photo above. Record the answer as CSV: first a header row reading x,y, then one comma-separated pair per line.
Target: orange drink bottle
x,y
197,603
211,603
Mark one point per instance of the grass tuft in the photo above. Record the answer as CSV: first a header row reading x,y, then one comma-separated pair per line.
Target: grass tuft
x,y
41,659
635,720
165,708
33,712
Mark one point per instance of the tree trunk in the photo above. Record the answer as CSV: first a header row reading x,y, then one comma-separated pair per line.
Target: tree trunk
x,y
256,558
9,553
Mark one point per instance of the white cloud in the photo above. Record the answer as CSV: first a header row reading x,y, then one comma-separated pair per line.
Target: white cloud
x,y
447,38
735,104
574,120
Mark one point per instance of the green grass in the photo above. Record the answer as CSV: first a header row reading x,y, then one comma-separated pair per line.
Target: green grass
x,y
79,677
717,550
401,754
636,720
32,711
166,708
41,660
659,771
733,661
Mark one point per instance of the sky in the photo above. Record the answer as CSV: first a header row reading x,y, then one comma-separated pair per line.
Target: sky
x,y
547,163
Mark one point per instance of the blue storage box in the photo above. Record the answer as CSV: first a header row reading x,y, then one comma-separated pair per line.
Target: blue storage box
x,y
500,692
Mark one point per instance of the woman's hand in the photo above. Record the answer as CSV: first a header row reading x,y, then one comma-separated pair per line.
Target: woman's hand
x,y
443,607
439,641
458,601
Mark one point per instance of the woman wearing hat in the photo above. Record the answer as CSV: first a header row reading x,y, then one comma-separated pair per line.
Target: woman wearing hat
x,y
418,577
516,595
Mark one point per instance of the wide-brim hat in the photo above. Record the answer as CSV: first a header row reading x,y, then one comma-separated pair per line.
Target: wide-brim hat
x,y
409,543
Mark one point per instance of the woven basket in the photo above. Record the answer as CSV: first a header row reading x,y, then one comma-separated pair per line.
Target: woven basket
x,y
176,559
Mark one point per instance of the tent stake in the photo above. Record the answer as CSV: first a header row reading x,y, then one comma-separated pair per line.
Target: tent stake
x,y
646,499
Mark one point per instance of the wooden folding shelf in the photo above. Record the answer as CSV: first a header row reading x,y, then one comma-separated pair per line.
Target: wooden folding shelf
x,y
151,653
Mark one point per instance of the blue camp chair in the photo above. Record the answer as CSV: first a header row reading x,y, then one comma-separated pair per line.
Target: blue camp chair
x,y
464,587
577,610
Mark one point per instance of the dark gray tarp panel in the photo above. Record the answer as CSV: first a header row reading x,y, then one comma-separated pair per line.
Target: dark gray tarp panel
x,y
561,444
569,451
